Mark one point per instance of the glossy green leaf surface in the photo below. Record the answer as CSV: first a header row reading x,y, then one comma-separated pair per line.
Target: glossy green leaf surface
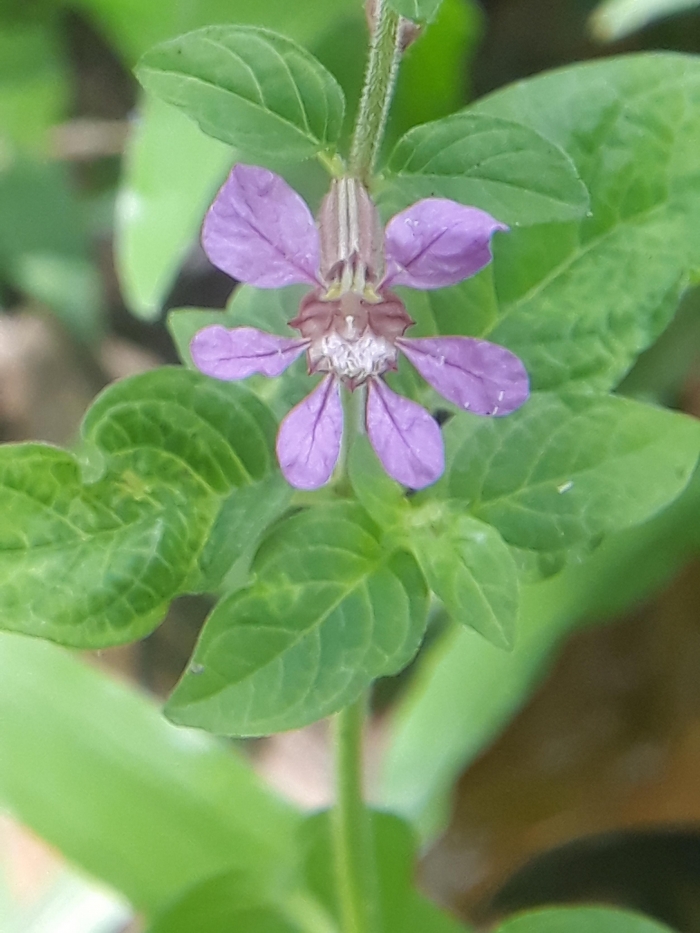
x,y
96,562
329,611
578,302
249,87
91,766
564,469
582,920
498,165
470,568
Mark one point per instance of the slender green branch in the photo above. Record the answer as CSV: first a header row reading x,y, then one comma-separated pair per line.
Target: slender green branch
x,y
352,829
380,78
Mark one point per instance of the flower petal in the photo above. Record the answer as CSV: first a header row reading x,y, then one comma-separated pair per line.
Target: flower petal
x,y
308,442
260,231
437,242
476,375
405,437
242,351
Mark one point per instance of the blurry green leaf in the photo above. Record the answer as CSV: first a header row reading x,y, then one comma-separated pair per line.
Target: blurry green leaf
x,y
249,87
579,302
329,611
435,69
93,768
614,19
442,724
565,469
135,26
44,244
420,11
401,907
497,165
470,568
161,201
581,920
34,89
220,905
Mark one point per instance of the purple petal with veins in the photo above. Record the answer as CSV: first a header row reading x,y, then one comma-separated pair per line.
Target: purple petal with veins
x,y
476,375
405,437
239,352
260,231
308,442
437,242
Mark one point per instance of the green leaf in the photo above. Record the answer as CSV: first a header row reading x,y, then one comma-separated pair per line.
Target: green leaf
x,y
420,11
582,920
91,766
381,496
135,27
442,723
222,904
329,611
426,88
579,302
565,469
86,566
96,563
614,19
239,526
34,91
470,568
250,88
178,428
401,907
498,165
164,192
44,244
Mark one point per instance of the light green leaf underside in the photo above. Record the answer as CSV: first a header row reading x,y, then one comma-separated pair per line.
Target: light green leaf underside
x,y
250,88
328,612
565,469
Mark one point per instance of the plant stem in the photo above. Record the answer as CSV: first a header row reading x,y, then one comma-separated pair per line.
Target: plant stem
x,y
351,826
380,79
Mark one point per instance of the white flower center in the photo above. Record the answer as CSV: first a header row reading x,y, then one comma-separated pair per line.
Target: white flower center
x,y
354,359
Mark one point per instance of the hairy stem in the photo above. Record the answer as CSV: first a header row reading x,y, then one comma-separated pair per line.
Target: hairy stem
x,y
352,829
380,79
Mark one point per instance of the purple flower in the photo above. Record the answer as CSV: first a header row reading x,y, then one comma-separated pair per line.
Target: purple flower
x,y
351,325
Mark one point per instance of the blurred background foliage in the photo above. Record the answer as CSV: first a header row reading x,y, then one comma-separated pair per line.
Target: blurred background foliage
x,y
600,767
